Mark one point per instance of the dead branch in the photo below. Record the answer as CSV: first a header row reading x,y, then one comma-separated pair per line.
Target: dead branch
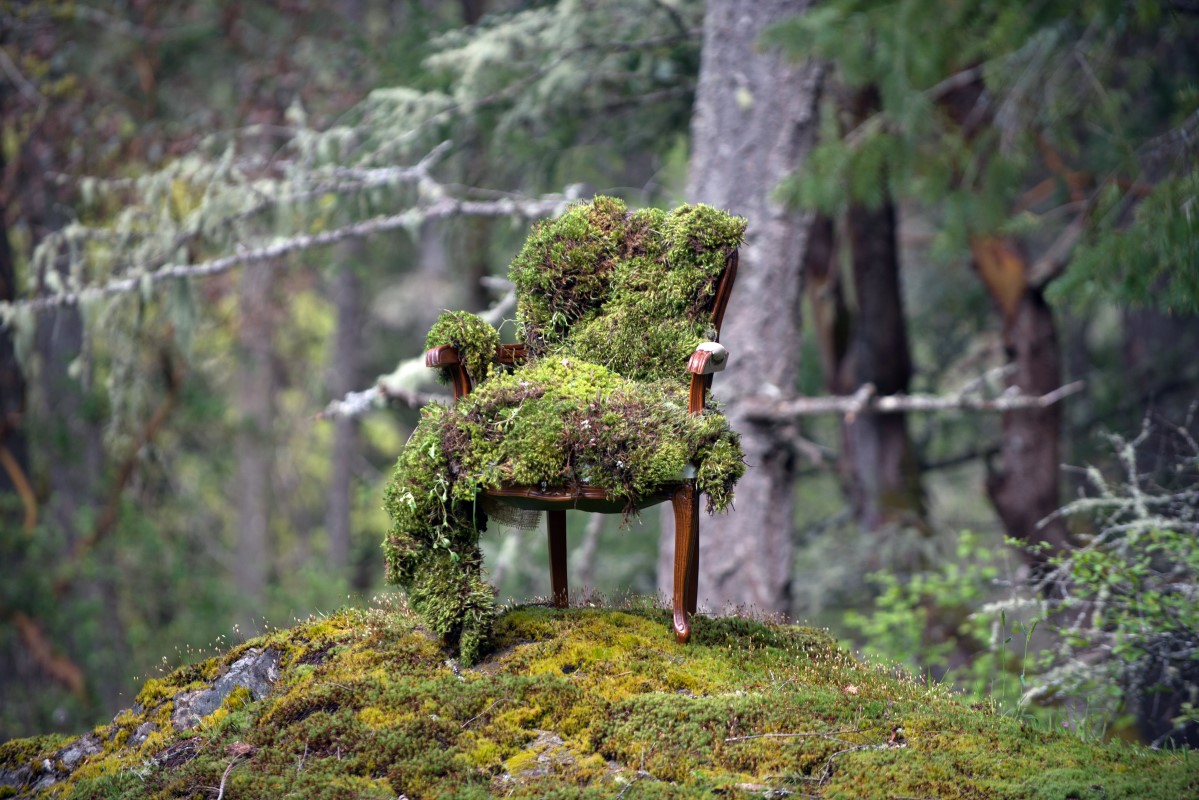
x,y
20,482
59,668
389,388
528,208
818,735
768,410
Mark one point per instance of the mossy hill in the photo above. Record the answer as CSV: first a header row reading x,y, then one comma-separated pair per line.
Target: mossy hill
x,y
575,703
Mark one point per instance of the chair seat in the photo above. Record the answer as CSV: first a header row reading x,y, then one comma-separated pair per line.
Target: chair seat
x,y
583,498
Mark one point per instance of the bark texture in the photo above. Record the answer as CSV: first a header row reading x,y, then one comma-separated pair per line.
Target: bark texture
x,y
753,123
883,471
1024,487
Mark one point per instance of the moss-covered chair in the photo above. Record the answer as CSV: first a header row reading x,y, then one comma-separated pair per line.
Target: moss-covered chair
x,y
602,407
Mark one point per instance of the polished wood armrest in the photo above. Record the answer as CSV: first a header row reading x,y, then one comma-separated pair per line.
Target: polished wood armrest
x,y
708,359
448,358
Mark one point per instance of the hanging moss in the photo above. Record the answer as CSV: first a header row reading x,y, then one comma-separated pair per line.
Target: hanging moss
x,y
611,305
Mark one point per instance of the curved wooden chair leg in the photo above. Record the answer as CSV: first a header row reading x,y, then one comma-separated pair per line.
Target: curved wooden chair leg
x,y
686,558
691,596
555,523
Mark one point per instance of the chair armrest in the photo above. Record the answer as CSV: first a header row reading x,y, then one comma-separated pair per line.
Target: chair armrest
x,y
443,356
448,358
708,359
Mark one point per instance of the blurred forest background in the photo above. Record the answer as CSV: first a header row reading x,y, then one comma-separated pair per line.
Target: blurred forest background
x,y
225,228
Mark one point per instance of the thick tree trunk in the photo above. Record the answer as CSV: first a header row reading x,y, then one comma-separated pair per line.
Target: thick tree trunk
x,y
343,377
884,473
754,122
254,448
1025,485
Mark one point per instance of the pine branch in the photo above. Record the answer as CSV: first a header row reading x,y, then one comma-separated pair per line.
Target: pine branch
x,y
768,410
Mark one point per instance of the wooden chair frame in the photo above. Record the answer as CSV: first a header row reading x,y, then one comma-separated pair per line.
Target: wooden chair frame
x,y
707,359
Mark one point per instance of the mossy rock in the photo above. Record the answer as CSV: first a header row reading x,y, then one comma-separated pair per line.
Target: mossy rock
x,y
595,702
611,304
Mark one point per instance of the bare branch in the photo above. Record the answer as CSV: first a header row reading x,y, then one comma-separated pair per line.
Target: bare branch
x,y
20,81
768,410
527,208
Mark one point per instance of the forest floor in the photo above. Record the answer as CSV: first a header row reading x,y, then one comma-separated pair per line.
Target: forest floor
x,y
585,702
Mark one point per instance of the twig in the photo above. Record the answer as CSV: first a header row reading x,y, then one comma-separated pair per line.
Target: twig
x,y
20,81
21,484
640,774
59,668
484,711
827,772
355,404
221,792
858,401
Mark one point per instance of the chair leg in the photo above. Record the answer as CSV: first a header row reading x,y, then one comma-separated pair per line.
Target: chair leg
x,y
686,558
555,523
691,597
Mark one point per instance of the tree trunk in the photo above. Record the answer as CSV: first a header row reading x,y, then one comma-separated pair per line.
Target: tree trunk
x,y
14,455
343,377
254,448
754,122
866,342
1024,486
884,472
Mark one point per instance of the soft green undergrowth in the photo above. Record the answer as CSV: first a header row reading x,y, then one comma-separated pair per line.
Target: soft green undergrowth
x,y
581,703
611,304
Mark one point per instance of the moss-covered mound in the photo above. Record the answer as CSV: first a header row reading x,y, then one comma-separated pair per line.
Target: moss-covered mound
x,y
578,703
611,304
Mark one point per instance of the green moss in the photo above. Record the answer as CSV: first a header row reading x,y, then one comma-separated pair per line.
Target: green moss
x,y
16,753
630,291
611,305
474,338
582,703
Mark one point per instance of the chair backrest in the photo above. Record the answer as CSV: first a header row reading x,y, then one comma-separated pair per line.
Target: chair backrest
x,y
633,291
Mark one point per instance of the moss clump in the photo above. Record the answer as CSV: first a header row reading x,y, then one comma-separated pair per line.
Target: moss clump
x,y
611,304
475,339
583,703
631,291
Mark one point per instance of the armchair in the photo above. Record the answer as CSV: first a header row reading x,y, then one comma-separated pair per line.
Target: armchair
x,y
619,314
